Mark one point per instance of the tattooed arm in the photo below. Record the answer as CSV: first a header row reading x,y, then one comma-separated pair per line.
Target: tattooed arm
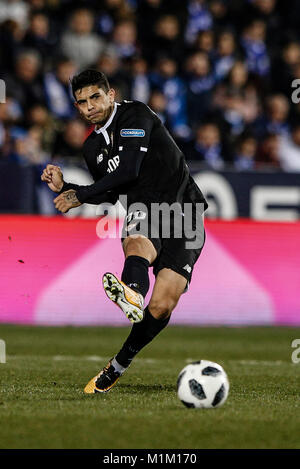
x,y
66,200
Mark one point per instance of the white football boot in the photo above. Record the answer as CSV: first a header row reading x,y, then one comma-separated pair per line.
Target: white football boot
x,y
130,301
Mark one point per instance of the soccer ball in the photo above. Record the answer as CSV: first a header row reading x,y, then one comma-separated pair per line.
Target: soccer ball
x,y
202,384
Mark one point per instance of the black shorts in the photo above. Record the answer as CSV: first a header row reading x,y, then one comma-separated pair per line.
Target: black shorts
x,y
178,240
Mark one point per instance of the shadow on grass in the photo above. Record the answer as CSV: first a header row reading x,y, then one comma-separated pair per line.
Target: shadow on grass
x,y
142,388
78,394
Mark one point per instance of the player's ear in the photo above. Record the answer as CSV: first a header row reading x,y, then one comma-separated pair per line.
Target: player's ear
x,y
75,101
111,94
77,107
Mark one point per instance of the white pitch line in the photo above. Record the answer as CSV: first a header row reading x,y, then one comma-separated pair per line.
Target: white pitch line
x,y
247,362
98,358
62,358
260,362
57,357
91,358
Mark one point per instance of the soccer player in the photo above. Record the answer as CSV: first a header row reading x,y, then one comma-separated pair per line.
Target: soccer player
x,y
131,153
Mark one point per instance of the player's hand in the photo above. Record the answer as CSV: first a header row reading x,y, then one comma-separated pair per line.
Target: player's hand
x,y
53,176
66,200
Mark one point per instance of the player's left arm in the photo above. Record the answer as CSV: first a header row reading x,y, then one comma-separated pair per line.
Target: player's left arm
x,y
134,129
67,200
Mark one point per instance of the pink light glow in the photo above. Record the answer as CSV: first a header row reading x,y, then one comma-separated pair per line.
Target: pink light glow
x,y
248,273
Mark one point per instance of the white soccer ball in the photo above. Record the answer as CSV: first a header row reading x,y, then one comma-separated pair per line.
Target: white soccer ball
x,y
202,384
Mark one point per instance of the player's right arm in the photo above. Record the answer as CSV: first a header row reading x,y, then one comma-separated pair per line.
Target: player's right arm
x,y
53,176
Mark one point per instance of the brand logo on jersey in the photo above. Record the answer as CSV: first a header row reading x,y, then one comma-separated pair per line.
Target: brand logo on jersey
x,y
113,163
137,215
100,158
188,268
132,133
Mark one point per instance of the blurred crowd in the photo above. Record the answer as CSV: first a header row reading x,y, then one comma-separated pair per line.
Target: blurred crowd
x,y
218,73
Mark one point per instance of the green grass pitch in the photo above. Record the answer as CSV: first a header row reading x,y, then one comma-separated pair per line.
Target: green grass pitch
x,y
42,404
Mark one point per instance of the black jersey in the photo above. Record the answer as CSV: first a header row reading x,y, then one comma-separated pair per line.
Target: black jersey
x,y
134,154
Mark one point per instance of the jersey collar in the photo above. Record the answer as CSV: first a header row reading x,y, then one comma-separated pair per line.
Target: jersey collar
x,y
103,130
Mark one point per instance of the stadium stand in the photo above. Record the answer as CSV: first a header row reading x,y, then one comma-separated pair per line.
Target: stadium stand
x,y
218,73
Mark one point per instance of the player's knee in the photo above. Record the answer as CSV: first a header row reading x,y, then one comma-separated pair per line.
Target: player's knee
x,y
162,309
139,246
135,245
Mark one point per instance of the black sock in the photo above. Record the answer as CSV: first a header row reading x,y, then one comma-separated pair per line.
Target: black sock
x,y
135,274
141,334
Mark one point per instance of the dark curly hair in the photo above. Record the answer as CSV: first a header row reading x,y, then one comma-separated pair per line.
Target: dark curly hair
x,y
87,78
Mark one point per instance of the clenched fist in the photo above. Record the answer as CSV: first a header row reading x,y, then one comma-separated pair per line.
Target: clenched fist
x,y
53,176
66,200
